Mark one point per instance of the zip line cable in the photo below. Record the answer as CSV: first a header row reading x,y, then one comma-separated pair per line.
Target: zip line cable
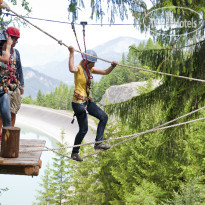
x,y
65,22
90,24
4,5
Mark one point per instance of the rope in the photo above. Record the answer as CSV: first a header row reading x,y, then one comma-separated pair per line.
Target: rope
x,y
49,149
146,132
132,135
91,24
85,62
4,5
135,136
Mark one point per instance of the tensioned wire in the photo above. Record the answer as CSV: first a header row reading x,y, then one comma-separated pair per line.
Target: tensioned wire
x,y
90,24
160,127
135,136
4,5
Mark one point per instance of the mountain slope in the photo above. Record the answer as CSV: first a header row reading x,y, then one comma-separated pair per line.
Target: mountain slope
x,y
35,81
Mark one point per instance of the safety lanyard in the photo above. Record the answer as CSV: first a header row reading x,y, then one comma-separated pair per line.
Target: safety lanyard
x,y
89,76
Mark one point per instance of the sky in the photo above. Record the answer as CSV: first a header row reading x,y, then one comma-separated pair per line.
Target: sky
x,y
57,10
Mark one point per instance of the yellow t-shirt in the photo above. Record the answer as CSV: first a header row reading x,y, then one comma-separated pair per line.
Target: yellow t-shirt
x,y
80,83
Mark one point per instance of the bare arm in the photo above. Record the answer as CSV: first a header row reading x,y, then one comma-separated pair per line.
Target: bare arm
x,y
72,68
6,55
107,71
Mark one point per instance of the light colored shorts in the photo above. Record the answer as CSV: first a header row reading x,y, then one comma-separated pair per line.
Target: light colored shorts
x,y
15,99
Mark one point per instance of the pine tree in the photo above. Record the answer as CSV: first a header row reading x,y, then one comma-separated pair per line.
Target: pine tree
x,y
56,182
61,171
45,195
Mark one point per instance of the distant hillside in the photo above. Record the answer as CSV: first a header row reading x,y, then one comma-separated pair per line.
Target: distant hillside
x,y
112,50
35,81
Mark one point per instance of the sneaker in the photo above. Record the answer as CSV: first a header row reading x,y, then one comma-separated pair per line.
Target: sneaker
x,y
76,157
102,146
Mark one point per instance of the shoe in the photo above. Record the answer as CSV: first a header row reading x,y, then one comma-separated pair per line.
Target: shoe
x,y
102,146
76,157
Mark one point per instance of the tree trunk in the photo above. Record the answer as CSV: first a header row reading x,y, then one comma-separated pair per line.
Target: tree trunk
x,y
10,142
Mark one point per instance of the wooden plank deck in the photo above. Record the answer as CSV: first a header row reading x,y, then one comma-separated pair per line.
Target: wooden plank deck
x,y
27,163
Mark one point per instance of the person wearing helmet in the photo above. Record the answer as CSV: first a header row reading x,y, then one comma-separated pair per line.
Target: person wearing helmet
x,y
15,90
5,47
81,101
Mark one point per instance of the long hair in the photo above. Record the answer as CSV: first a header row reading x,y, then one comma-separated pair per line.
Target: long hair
x,y
82,63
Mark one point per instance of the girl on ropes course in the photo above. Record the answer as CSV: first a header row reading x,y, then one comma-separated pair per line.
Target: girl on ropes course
x,y
5,46
81,101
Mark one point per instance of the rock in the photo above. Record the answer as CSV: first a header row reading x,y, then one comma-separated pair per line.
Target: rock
x,y
120,93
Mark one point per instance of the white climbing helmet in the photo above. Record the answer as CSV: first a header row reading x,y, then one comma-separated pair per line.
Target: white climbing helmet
x,y
89,58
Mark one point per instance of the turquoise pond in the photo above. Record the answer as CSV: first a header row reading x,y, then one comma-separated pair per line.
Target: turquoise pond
x,y
23,189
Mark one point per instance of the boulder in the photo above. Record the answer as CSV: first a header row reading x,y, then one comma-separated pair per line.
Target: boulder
x,y
120,93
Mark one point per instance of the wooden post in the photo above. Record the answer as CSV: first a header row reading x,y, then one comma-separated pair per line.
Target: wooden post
x,y
10,142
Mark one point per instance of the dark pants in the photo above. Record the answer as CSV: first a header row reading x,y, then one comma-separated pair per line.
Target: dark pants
x,y
93,110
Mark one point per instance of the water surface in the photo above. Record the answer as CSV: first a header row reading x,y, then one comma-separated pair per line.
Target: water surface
x,y
22,189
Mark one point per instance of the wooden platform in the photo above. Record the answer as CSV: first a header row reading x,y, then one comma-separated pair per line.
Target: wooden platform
x,y
27,163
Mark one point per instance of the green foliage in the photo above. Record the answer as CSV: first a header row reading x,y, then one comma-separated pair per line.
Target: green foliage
x,y
27,100
146,194
191,193
61,98
110,8
139,10
3,190
56,182
24,4
14,20
45,195
87,188
133,173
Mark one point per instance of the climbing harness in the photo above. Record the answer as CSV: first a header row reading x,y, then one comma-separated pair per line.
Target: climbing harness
x,y
80,97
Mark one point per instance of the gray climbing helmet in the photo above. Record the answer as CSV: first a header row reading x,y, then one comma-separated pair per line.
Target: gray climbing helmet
x,y
89,58
2,36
